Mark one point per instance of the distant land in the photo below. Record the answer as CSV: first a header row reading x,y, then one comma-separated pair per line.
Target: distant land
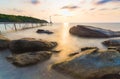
x,y
21,19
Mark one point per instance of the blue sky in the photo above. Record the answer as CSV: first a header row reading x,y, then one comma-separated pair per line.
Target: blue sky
x,y
65,10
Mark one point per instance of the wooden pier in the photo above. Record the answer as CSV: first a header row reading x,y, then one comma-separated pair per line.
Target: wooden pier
x,y
14,26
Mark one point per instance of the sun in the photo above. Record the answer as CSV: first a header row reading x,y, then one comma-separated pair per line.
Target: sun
x,y
66,13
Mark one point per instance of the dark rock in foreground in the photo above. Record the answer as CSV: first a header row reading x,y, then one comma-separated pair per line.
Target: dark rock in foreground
x,y
86,48
92,64
73,54
111,76
94,32
44,31
4,43
112,42
30,58
30,44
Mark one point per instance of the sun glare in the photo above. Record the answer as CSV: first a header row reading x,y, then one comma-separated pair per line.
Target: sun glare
x,y
66,13
65,31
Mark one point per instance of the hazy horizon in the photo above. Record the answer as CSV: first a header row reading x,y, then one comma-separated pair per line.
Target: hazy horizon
x,y
73,11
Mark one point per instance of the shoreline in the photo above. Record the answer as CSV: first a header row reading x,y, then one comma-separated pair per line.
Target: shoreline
x,y
73,45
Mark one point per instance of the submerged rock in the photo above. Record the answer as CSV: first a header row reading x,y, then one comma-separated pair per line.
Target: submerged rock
x,y
30,44
4,42
90,64
29,58
89,31
44,31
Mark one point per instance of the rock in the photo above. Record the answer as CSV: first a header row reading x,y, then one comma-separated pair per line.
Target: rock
x,y
112,42
30,58
4,42
55,51
94,32
73,54
44,31
112,48
91,65
111,76
87,48
30,44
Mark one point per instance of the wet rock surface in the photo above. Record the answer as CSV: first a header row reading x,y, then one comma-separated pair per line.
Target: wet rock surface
x,y
29,58
111,76
94,32
112,42
86,48
92,64
73,54
30,44
4,42
41,31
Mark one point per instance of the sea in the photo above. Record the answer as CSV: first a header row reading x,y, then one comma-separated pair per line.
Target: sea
x,y
67,44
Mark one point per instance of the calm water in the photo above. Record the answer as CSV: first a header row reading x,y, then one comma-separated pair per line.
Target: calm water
x,y
67,44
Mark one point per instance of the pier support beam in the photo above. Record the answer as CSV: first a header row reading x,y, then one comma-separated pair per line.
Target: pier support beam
x,y
15,27
5,26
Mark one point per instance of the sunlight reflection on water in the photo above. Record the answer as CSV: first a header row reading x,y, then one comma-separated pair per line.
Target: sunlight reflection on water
x,y
65,32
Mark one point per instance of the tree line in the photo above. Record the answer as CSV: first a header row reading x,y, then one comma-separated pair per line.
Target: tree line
x,y
21,19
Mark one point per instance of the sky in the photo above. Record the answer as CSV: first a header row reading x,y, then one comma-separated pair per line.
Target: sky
x,y
64,10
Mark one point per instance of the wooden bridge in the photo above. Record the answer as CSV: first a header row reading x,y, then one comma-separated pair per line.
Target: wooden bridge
x,y
14,26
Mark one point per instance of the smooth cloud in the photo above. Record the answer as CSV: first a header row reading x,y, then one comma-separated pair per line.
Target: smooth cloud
x,y
17,10
106,1
35,1
69,7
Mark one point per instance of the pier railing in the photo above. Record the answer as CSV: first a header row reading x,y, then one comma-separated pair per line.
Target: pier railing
x,y
13,26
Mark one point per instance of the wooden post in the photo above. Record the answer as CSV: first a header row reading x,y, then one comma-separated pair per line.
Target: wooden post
x,y
36,25
39,24
32,25
15,27
20,25
5,26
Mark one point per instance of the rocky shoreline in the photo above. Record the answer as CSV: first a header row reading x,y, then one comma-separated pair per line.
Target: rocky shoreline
x,y
92,64
27,51
88,63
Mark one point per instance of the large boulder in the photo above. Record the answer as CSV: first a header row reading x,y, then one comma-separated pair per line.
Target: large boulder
x,y
30,44
29,58
91,64
94,32
4,42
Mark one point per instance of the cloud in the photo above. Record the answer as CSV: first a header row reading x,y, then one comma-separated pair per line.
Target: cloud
x,y
35,1
93,9
69,7
104,9
17,10
116,8
57,15
99,2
